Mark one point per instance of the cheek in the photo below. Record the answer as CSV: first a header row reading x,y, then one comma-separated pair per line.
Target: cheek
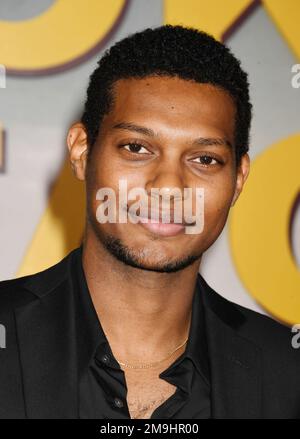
x,y
110,177
217,202
110,170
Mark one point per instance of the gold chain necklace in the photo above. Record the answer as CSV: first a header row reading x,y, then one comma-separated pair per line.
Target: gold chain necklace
x,y
148,365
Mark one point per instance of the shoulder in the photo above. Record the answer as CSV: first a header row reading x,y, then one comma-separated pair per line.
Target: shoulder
x,y
273,337
19,291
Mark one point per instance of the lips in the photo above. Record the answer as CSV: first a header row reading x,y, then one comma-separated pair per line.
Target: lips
x,y
163,229
157,226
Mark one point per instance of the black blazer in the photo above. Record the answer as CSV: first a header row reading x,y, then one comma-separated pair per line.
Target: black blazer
x,y
255,371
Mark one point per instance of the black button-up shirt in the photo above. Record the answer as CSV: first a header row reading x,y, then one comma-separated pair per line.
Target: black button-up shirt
x,y
102,386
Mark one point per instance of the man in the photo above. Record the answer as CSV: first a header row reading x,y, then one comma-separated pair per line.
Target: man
x,y
124,326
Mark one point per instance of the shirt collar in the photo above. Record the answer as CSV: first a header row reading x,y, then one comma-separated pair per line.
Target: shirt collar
x,y
90,335
196,348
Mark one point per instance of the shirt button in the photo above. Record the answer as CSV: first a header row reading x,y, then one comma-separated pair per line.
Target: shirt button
x,y
118,402
105,359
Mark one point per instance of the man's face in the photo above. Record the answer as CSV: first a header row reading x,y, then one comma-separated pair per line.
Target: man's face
x,y
150,140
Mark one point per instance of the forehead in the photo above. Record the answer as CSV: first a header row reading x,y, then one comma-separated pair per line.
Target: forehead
x,y
173,101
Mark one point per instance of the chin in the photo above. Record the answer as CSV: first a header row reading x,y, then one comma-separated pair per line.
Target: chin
x,y
147,257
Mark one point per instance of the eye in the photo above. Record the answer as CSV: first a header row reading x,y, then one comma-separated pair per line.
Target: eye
x,y
135,148
206,160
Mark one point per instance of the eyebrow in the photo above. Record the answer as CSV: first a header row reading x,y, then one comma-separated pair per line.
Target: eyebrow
x,y
218,141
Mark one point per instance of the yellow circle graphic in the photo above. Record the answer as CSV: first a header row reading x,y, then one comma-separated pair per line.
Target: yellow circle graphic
x,y
65,33
259,231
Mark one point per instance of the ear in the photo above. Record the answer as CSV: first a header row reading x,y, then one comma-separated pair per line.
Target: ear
x,y
78,148
242,174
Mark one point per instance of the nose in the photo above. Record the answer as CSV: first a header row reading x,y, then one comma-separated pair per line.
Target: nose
x,y
166,184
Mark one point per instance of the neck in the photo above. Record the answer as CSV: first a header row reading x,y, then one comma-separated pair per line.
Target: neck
x,y
126,298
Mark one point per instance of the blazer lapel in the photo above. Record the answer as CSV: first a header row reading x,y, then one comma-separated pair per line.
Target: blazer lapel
x,y
235,361
47,347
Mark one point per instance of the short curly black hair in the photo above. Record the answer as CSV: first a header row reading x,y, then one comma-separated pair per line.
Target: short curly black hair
x,y
169,50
